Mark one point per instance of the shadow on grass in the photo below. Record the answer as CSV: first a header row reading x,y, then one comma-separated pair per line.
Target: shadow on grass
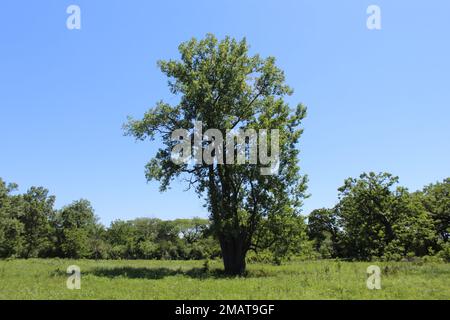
x,y
162,272
155,273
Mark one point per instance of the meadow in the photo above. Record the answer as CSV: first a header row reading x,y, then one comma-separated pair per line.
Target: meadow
x,y
180,280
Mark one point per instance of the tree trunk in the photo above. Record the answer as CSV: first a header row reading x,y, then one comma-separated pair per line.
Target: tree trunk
x,y
233,253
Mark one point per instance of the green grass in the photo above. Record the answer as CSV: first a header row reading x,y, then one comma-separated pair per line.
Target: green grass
x,y
46,279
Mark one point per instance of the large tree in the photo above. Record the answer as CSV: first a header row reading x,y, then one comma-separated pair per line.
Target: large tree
x,y
220,85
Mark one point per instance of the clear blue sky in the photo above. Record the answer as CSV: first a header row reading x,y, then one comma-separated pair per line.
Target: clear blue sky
x,y
378,100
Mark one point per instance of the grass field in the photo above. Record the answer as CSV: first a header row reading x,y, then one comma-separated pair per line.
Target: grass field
x,y
46,279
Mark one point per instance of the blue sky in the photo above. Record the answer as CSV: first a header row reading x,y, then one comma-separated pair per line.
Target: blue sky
x,y
377,100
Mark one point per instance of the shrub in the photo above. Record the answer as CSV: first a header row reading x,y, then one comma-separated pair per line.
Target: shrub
x,y
445,252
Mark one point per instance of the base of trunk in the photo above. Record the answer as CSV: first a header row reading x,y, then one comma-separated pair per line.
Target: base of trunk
x,y
235,269
233,255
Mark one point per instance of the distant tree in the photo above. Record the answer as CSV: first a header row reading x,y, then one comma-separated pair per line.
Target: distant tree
x,y
78,215
36,216
219,84
413,228
121,236
76,229
366,215
146,229
11,229
323,229
282,236
167,231
380,219
192,230
99,246
436,200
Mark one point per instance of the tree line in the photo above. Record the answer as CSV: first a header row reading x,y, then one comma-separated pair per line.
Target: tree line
x,y
373,219
30,227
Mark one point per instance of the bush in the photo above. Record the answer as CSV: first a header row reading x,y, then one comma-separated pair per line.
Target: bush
x,y
148,250
444,254
118,252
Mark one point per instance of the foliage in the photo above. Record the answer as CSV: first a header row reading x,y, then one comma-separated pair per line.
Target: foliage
x,y
219,84
323,229
11,229
436,200
444,254
76,225
375,218
36,215
31,227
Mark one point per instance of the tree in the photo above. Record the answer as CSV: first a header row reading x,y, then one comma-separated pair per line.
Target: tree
x,y
413,228
192,230
121,236
36,217
99,247
76,227
11,229
379,219
224,88
436,200
282,235
323,229
366,215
